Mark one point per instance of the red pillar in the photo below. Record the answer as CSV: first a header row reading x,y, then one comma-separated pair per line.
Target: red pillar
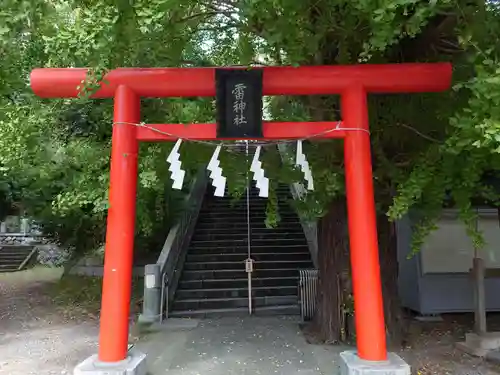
x,y
367,288
117,281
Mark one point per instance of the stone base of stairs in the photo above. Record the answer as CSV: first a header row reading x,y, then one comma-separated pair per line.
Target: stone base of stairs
x,y
15,257
217,313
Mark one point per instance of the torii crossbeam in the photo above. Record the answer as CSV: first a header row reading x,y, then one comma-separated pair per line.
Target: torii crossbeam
x,y
128,85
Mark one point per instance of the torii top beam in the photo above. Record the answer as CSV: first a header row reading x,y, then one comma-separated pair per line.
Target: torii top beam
x,y
306,80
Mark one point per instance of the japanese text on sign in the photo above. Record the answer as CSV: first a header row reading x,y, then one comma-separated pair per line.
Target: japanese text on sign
x,y
239,104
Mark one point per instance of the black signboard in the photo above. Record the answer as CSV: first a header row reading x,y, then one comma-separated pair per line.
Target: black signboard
x,y
239,103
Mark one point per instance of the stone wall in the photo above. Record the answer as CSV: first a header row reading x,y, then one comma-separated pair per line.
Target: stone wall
x,y
48,253
98,271
16,240
51,255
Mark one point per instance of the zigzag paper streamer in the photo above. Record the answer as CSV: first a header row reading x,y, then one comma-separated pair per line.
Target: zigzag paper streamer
x,y
218,181
220,186
262,182
177,173
304,166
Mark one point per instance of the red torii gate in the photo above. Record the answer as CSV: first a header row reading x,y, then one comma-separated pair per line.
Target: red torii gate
x,y
353,83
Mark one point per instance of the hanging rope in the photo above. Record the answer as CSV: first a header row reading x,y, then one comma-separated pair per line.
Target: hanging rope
x,y
229,145
218,180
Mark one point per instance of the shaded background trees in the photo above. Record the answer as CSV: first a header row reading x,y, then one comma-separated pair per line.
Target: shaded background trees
x,y
425,147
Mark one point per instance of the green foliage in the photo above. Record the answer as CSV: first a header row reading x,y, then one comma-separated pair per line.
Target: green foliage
x,y
456,169
392,21
76,296
427,148
56,153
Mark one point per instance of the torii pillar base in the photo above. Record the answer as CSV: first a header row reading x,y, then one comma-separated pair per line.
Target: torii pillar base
x,y
134,364
351,364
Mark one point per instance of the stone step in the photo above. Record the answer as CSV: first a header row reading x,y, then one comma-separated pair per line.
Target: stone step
x,y
241,282
243,225
243,249
237,274
227,208
228,303
222,230
13,256
242,219
214,281
242,311
190,294
243,235
255,242
304,256
218,265
9,267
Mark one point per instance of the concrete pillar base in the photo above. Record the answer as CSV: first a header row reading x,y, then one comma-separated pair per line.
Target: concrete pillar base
x,y
135,364
480,345
351,364
148,319
151,303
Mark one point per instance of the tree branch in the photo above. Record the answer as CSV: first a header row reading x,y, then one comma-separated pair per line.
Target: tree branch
x,y
429,138
205,15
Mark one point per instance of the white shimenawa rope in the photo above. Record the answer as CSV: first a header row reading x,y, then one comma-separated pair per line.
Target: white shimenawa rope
x,y
218,181
216,143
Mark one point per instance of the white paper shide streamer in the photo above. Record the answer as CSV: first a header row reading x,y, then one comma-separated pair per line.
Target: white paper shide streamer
x,y
218,181
178,173
304,166
261,181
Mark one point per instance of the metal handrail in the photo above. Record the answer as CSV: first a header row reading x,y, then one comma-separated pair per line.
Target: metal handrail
x,y
171,259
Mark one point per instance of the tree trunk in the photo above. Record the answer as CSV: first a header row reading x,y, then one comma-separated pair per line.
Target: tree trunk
x,y
331,321
395,321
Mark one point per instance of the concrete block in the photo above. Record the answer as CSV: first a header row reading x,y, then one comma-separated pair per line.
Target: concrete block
x,y
181,323
135,364
471,349
493,357
429,318
351,364
148,318
488,340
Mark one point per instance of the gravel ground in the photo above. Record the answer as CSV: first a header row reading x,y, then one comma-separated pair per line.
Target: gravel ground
x,y
441,358
34,338
432,350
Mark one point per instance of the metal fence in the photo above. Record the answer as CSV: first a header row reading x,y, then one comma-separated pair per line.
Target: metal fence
x,y
308,289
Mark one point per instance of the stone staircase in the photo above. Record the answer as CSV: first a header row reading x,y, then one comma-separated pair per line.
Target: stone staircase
x,y
14,257
214,282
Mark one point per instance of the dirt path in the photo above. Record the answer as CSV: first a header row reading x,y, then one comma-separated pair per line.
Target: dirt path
x,y
34,338
433,351
442,358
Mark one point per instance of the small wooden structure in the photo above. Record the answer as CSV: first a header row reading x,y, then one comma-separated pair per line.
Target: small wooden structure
x,y
439,279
